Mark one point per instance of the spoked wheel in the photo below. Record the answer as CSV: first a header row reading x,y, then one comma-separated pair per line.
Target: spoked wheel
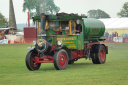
x,y
100,57
30,60
60,59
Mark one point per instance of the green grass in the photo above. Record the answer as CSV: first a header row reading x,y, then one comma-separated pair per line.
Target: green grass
x,y
13,70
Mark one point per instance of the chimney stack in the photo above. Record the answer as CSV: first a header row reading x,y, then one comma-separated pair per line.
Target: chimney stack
x,y
12,20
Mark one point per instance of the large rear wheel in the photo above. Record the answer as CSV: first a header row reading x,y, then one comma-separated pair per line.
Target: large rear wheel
x,y
100,57
30,60
60,59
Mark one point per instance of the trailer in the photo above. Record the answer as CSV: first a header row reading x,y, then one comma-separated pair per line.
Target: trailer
x,y
64,38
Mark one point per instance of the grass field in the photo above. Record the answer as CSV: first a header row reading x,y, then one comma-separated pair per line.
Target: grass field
x,y
13,70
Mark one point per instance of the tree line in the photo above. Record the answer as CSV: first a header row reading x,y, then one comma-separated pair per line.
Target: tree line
x,y
3,21
36,7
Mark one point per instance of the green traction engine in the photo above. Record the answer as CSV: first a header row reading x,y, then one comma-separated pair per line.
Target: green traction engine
x,y
64,38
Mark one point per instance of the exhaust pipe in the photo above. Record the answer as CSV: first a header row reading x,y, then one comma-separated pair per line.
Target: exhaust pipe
x,y
43,23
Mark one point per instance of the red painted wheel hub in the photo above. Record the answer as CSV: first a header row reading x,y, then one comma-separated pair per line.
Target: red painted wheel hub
x,y
33,60
102,54
62,59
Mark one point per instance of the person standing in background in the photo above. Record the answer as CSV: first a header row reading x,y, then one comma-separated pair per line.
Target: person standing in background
x,y
112,35
107,34
0,36
116,34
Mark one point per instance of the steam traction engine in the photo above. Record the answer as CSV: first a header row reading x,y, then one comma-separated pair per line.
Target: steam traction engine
x,y
65,38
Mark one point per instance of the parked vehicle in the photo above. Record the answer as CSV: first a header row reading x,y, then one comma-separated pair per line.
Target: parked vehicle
x,y
124,35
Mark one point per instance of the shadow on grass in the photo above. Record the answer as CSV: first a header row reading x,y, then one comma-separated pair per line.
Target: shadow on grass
x,y
70,66
47,69
79,65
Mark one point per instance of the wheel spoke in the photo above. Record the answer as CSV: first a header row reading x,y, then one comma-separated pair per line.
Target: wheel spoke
x,y
33,60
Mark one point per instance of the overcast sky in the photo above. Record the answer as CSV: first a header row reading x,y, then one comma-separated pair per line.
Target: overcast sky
x,y
70,6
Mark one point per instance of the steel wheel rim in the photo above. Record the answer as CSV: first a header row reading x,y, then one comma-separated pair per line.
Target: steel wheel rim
x,y
102,54
62,59
33,60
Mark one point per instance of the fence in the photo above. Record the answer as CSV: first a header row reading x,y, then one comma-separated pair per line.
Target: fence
x,y
108,40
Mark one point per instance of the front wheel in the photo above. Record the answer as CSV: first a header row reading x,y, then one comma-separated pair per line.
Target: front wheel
x,y
60,59
30,60
100,57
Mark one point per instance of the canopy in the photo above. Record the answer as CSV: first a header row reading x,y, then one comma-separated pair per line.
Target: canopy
x,y
115,23
3,29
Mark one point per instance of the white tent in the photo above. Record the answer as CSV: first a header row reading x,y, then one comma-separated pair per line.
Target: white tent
x,y
115,23
4,29
119,25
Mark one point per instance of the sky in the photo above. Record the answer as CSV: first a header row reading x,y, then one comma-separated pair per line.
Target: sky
x,y
111,7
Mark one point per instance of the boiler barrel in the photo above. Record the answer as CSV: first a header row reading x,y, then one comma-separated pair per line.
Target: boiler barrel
x,y
93,28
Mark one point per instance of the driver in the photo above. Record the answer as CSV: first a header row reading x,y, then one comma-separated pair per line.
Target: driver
x,y
78,28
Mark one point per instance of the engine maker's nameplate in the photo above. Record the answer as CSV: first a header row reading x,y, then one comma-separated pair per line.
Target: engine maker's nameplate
x,y
70,42
72,38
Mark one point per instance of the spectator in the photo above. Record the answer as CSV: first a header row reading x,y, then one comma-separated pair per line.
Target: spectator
x,y
3,35
0,36
113,34
110,36
11,31
6,31
107,34
116,34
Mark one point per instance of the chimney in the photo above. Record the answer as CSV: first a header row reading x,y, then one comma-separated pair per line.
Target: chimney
x,y
43,22
12,20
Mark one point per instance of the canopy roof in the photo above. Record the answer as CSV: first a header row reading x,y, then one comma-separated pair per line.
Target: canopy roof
x,y
3,29
60,17
115,23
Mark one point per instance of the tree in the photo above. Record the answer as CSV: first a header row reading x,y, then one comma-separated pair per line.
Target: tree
x,y
97,14
3,21
40,6
124,11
